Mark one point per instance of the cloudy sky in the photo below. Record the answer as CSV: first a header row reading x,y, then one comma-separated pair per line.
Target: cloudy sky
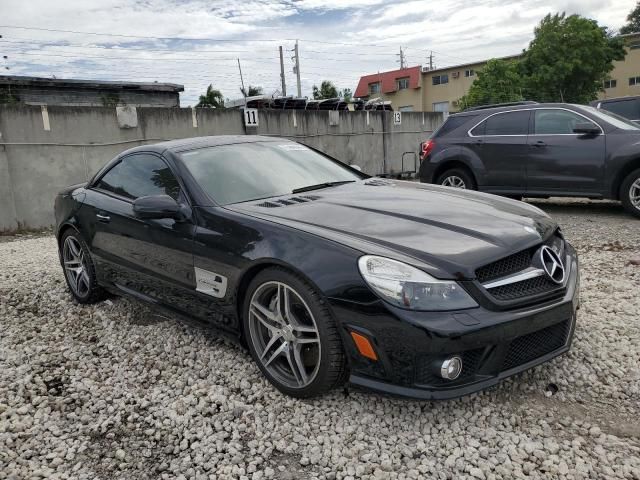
x,y
198,42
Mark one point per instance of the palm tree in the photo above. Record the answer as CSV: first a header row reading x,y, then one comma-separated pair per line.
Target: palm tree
x,y
251,91
212,99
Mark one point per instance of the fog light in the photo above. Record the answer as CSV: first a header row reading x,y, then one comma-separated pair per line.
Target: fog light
x,y
451,368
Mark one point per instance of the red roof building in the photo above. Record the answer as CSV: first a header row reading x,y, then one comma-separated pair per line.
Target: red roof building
x,y
388,82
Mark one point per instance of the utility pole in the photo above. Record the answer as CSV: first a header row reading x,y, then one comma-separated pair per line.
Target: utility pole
x,y
244,92
297,69
402,61
282,79
431,60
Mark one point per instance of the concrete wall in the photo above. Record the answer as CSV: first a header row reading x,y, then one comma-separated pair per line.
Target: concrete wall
x,y
35,163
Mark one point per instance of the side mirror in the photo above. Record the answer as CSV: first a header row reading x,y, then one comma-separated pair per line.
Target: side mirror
x,y
156,206
356,167
586,128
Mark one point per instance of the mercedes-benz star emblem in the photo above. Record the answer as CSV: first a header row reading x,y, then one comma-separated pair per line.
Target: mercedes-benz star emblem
x,y
552,264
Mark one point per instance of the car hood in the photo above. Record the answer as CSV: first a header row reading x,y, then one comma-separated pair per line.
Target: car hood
x,y
448,232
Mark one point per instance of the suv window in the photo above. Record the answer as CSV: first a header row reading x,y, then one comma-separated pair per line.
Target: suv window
x,y
140,175
508,123
554,122
451,124
627,108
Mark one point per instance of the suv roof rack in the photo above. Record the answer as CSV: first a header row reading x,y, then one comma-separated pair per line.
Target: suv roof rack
x,y
497,105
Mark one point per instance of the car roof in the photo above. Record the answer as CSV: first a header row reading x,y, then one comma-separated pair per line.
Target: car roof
x,y
192,143
505,108
614,99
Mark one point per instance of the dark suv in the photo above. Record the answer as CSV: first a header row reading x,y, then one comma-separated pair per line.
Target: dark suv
x,y
537,150
627,107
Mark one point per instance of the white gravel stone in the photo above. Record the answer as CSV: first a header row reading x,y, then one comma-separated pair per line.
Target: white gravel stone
x,y
113,391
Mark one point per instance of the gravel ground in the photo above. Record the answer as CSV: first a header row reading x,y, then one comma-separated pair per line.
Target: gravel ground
x,y
113,391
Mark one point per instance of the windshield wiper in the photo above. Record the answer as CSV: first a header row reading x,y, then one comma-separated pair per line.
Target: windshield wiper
x,y
320,185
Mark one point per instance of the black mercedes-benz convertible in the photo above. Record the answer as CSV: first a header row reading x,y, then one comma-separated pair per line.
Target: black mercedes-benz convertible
x,y
327,275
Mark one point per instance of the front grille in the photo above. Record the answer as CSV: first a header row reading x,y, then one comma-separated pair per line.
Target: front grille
x,y
505,266
526,288
536,344
518,262
426,374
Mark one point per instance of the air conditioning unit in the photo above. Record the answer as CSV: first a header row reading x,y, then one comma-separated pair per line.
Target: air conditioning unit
x,y
424,69
455,74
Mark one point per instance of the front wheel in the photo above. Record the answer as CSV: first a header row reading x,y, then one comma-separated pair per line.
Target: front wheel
x,y
630,193
79,270
292,335
457,178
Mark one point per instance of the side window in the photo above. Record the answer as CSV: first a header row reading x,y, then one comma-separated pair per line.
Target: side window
x,y
140,175
626,108
509,123
554,122
451,124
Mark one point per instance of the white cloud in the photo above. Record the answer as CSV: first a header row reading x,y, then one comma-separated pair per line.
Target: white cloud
x,y
456,30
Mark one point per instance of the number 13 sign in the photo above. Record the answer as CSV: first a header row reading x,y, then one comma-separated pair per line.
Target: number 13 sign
x,y
250,117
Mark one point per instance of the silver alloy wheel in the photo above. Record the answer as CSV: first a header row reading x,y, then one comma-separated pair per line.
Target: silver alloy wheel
x,y
634,194
75,267
284,334
454,181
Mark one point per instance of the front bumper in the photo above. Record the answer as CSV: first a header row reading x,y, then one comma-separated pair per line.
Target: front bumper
x,y
492,344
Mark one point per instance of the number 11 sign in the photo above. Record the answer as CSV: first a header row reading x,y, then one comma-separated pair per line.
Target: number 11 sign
x,y
250,117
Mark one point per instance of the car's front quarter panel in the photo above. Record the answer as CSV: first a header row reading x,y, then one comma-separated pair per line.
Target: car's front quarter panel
x,y
623,156
233,246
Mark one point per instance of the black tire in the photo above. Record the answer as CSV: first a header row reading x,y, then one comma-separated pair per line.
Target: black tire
x,y
626,192
458,173
331,369
93,293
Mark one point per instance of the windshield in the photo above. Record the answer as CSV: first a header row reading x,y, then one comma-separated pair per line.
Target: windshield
x,y
611,118
251,171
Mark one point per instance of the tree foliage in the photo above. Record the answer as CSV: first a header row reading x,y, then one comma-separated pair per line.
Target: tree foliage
x,y
327,90
251,91
211,99
346,94
499,81
568,59
633,21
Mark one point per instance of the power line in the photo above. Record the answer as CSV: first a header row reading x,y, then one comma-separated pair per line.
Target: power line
x,y
249,49
308,40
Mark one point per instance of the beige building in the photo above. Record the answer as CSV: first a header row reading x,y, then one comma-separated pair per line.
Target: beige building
x,y
624,79
438,90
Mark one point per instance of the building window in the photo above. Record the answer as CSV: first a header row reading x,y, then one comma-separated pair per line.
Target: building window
x,y
634,81
403,83
374,88
610,83
469,73
634,46
406,108
440,79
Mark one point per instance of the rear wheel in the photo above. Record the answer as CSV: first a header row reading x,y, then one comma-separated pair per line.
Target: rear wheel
x,y
292,335
630,193
79,270
457,178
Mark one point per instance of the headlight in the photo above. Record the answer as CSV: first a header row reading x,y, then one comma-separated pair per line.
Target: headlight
x,y
407,287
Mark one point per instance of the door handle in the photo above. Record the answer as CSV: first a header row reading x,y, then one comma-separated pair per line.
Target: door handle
x,y
103,218
539,143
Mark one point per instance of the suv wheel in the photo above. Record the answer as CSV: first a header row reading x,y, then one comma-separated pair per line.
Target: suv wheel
x,y
457,178
630,193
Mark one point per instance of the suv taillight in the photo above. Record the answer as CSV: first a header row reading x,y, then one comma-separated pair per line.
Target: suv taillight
x,y
426,148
